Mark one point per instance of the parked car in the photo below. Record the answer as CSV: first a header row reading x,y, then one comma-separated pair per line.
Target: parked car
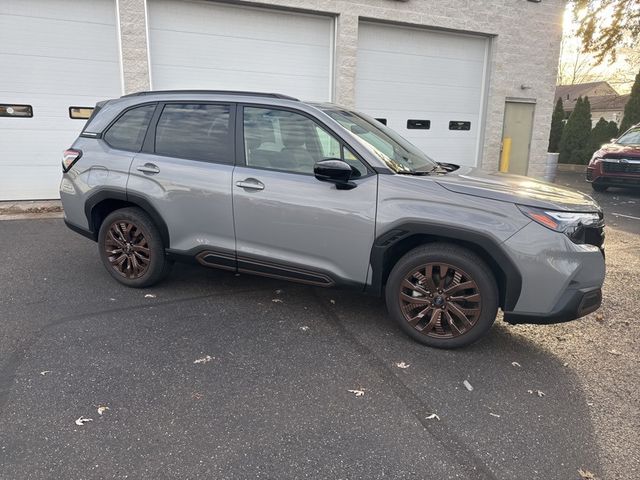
x,y
323,195
616,164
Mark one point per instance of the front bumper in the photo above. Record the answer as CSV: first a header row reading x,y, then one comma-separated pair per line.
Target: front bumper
x,y
572,305
597,175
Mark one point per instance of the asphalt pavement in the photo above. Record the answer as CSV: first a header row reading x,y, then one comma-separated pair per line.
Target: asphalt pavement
x,y
217,375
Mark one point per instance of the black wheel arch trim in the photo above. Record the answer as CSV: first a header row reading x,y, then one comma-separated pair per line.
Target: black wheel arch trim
x,y
121,194
400,232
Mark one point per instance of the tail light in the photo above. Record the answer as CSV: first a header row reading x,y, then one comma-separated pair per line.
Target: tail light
x,y
69,157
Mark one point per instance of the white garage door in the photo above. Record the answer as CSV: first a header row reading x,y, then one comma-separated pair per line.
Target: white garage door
x,y
204,45
429,86
54,54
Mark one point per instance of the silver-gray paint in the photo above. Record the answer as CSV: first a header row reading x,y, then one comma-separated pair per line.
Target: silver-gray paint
x,y
297,219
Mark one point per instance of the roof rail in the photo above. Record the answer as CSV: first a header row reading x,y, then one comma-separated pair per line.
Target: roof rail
x,y
213,92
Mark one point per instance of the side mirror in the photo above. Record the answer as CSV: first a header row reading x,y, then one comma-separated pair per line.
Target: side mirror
x,y
334,171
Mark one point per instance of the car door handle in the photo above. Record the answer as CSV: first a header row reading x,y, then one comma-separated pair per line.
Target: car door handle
x,y
251,184
148,168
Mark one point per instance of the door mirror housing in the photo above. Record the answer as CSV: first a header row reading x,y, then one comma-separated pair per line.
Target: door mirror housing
x,y
335,171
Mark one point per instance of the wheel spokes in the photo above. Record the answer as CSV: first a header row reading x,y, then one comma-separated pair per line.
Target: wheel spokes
x,y
440,300
127,249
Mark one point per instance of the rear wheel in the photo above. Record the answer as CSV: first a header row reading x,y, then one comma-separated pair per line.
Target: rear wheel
x,y
599,187
442,295
131,248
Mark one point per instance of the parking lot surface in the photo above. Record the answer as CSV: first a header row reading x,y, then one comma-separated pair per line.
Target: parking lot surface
x,y
215,375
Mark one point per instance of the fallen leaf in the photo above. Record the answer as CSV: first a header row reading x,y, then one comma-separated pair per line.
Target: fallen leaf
x,y
197,396
539,393
276,300
516,364
44,372
102,409
333,302
81,421
357,393
402,365
149,295
304,328
586,474
205,359
565,364
468,386
614,352
494,415
599,317
432,416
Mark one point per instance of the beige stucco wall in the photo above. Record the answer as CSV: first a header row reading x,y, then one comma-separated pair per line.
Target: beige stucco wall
x,y
524,51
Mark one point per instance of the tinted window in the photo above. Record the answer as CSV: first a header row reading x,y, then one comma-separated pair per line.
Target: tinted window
x,y
196,132
283,140
632,137
129,130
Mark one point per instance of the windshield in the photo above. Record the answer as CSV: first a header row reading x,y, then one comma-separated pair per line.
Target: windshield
x,y
632,137
391,148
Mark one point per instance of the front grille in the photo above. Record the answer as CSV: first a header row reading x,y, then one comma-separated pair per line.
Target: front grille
x,y
614,167
594,236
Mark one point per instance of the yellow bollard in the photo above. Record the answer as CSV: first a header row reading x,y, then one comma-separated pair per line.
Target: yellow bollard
x,y
506,154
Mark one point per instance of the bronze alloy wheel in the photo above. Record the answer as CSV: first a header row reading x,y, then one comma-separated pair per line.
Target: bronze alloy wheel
x,y
127,249
440,300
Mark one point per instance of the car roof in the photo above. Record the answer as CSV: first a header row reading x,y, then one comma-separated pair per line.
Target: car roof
x,y
211,92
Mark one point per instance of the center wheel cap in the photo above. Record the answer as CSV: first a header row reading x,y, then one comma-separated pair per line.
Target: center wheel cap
x,y
439,301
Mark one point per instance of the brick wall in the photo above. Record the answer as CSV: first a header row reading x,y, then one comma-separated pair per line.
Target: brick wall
x,y
524,51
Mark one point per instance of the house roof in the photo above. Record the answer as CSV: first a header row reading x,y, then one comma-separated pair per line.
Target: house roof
x,y
606,98
572,92
608,102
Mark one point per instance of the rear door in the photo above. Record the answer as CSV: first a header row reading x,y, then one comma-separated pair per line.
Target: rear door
x,y
288,223
184,171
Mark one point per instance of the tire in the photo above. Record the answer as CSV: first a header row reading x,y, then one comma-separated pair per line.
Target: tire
x,y
417,313
131,248
598,187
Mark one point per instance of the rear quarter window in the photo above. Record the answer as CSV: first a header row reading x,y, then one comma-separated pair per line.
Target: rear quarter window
x,y
127,133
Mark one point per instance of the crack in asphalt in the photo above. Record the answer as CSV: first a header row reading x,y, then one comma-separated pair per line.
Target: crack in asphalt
x,y
473,465
16,358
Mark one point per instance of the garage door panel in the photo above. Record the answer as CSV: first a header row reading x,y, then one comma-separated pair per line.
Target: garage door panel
x,y
433,70
271,57
407,73
71,58
239,48
59,76
62,36
376,95
234,22
412,41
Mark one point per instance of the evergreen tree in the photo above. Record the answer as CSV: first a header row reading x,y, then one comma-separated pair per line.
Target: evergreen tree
x,y
575,144
632,108
602,133
557,125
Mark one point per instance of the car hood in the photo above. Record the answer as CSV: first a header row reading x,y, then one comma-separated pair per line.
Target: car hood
x,y
614,150
516,189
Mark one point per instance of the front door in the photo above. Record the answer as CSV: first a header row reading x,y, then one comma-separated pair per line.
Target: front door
x,y
516,139
289,224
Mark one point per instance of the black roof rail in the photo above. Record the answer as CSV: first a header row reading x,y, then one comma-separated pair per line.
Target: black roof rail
x,y
213,92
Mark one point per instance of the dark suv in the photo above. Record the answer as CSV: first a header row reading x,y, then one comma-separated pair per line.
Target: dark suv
x,y
617,164
323,195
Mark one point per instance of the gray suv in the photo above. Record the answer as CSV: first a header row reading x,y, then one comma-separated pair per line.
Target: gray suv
x,y
320,194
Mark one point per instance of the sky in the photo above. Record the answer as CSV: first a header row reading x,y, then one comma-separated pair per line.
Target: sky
x,y
619,74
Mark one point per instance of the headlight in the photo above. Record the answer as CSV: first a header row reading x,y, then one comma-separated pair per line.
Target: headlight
x,y
595,160
572,224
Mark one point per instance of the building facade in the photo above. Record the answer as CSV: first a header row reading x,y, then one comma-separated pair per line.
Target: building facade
x,y
444,73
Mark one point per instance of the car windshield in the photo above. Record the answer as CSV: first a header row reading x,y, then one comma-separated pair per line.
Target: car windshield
x,y
632,137
391,148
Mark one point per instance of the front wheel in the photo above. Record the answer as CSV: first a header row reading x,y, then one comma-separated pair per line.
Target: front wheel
x,y
442,295
131,248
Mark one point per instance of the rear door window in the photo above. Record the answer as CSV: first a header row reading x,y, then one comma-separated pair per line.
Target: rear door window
x,y
128,132
195,131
